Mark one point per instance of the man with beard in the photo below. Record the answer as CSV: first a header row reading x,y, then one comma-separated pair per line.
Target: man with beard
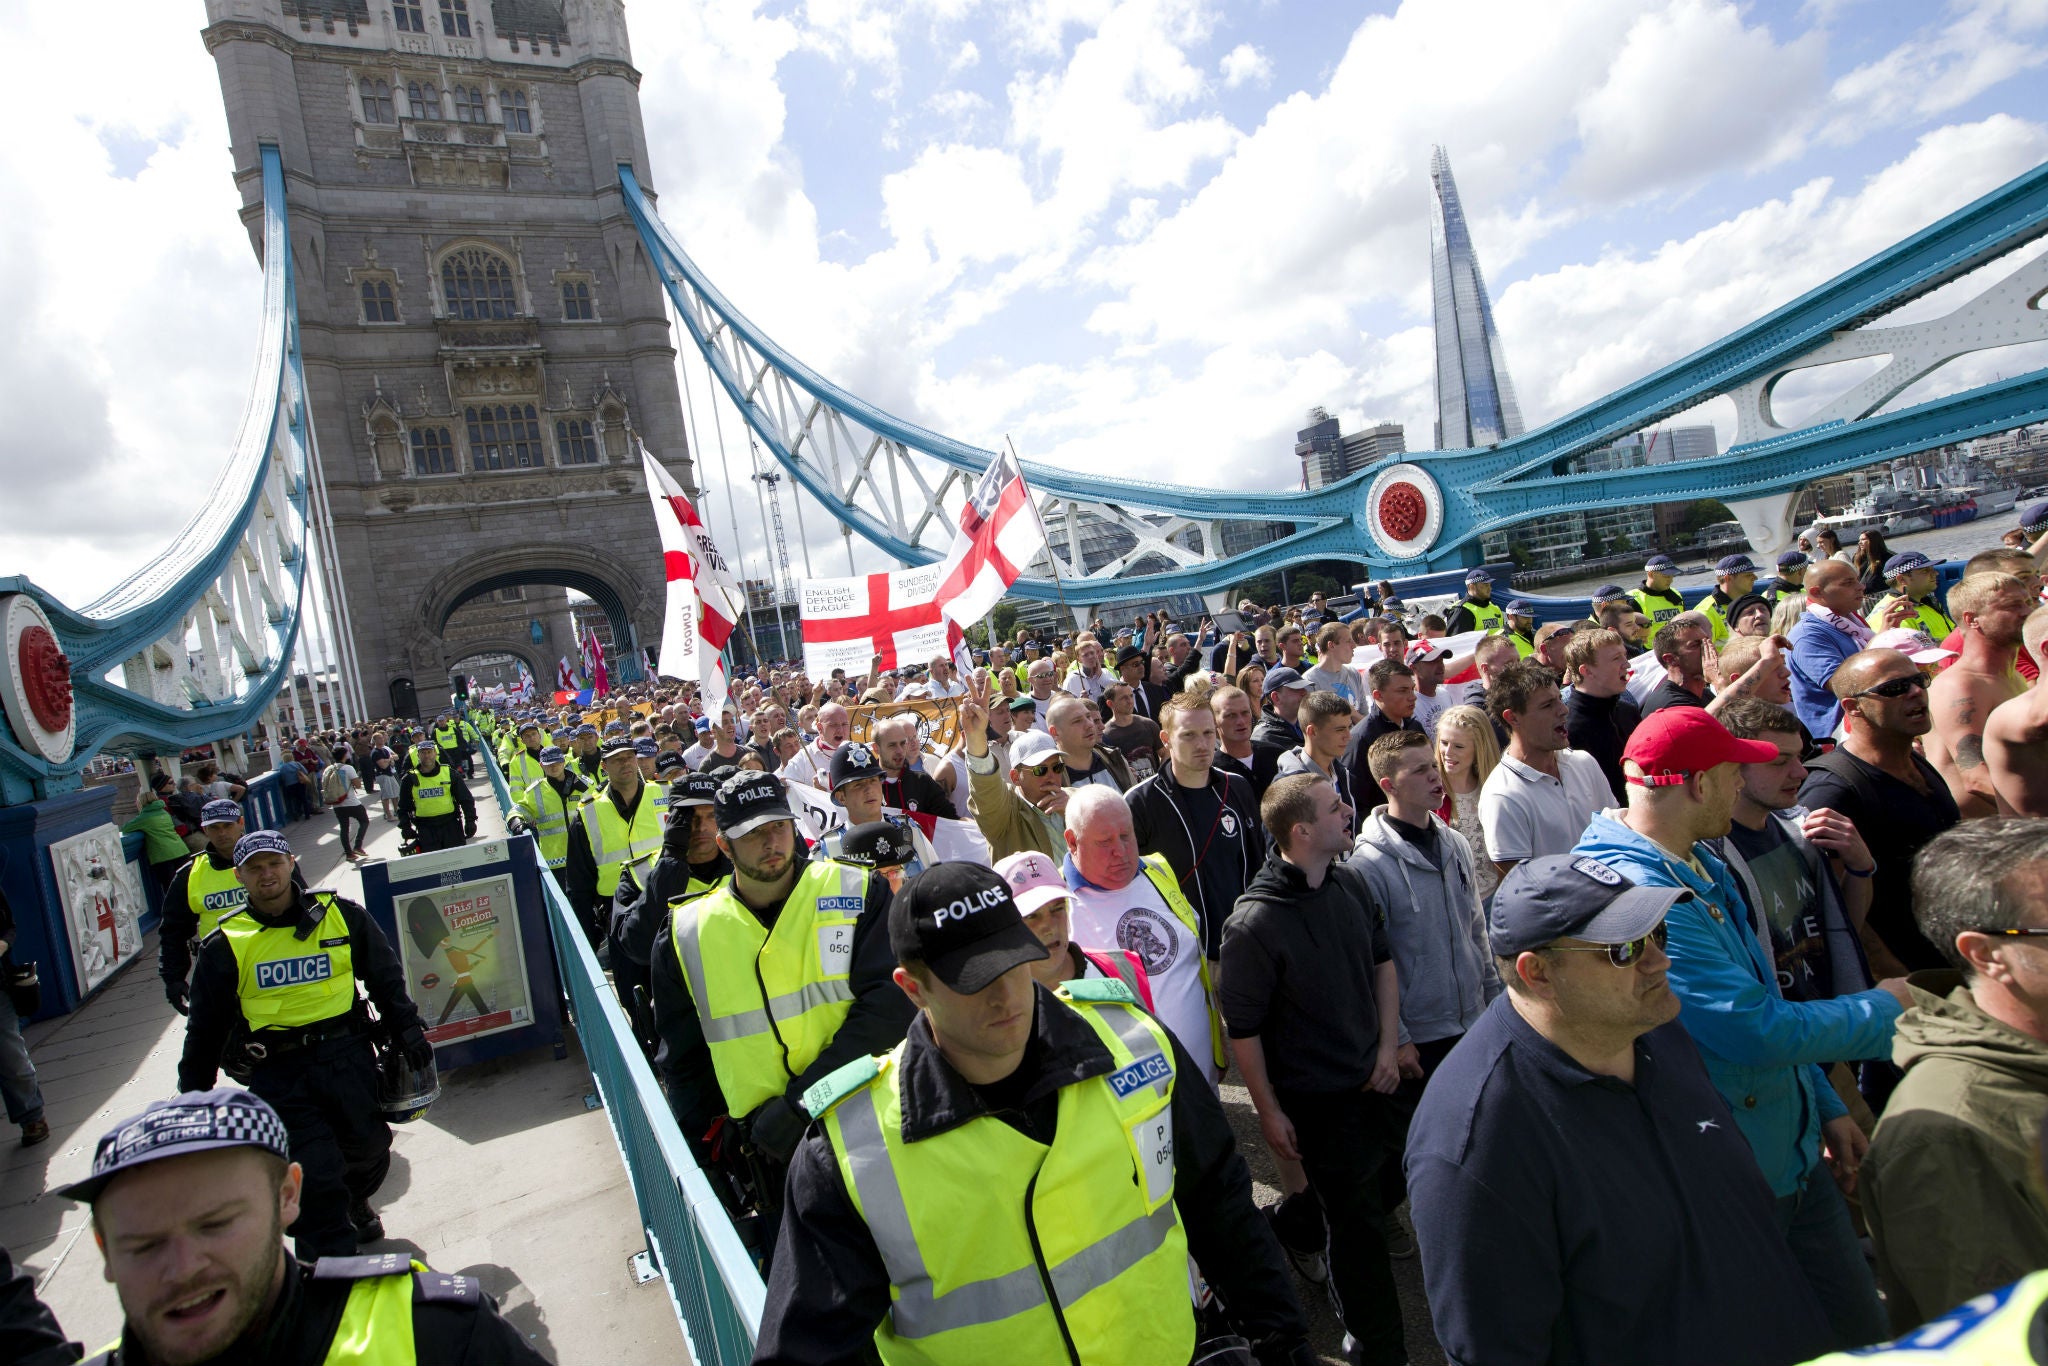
x,y
190,1200
722,1051
1991,610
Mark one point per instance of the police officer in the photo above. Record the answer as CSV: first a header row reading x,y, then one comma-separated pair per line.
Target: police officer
x,y
274,997
199,894
690,865
435,810
856,776
1734,578
1023,1178
771,980
522,761
618,824
190,1200
1912,576
1657,599
545,807
586,755
1791,580
886,847
1478,612
448,735
1521,627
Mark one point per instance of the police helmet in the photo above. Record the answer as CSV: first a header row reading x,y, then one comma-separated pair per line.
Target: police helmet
x,y
403,1091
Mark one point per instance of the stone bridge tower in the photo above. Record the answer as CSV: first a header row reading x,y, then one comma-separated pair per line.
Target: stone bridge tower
x,y
484,338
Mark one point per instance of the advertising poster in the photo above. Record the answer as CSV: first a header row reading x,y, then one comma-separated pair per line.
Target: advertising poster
x,y
464,960
102,903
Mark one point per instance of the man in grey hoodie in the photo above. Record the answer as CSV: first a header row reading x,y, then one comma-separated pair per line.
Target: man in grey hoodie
x,y
1421,870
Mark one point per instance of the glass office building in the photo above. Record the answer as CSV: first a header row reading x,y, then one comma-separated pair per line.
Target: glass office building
x,y
1475,399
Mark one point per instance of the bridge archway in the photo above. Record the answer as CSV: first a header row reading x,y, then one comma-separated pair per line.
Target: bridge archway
x,y
523,651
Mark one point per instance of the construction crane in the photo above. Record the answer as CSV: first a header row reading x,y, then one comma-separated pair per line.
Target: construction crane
x,y
784,584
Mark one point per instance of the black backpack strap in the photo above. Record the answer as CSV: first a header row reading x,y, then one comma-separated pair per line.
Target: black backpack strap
x,y
1850,770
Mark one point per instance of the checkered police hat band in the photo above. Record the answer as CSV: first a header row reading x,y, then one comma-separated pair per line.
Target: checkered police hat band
x,y
158,1132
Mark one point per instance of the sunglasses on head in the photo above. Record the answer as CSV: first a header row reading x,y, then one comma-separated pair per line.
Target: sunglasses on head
x,y
1054,765
1894,688
1621,955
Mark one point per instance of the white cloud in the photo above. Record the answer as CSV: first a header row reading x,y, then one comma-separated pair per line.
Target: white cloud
x,y
1983,43
1691,91
965,56
1245,65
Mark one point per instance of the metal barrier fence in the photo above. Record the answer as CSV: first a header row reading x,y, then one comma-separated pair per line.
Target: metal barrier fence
x,y
712,1282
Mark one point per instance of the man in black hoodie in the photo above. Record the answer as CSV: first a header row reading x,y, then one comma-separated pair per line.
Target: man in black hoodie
x,y
1309,997
690,865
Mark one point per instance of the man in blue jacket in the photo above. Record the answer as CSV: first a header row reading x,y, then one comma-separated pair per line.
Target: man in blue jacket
x,y
1830,631
1764,1053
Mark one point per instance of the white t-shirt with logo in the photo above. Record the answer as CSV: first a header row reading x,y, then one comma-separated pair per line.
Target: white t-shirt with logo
x,y
1138,918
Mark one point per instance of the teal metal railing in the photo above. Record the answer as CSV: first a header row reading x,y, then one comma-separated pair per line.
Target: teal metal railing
x,y
712,1282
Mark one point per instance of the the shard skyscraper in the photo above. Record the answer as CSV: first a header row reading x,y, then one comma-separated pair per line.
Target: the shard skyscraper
x,y
1475,399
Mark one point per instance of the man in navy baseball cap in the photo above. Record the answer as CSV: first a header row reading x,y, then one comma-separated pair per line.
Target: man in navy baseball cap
x,y
1734,579
1791,580
1657,599
1477,612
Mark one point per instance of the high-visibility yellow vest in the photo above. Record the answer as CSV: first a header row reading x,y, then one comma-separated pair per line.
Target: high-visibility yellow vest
x,y
613,841
1994,1329
212,893
1926,617
1715,615
1161,875
447,737
549,813
1525,646
1486,616
1657,608
983,1229
523,768
285,982
769,1001
433,794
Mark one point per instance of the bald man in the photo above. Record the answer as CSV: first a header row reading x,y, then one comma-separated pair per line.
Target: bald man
x,y
1828,633
2014,748
813,763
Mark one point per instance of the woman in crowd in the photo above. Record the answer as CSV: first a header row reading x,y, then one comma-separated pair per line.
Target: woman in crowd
x,y
1467,752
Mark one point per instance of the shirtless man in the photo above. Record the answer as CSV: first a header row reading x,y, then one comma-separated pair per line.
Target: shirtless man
x,y
2016,736
1991,610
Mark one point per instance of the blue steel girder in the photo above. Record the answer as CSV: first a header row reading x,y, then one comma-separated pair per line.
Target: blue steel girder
x,y
1482,490
234,576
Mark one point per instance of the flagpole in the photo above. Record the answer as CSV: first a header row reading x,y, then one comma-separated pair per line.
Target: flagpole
x,y
1052,560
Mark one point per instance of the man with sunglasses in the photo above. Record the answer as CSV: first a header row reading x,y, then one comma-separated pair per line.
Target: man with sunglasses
x,y
1893,795
1579,1188
1766,1054
1026,809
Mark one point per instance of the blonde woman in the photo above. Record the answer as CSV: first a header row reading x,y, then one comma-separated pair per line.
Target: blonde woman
x,y
1252,678
1467,753
1786,614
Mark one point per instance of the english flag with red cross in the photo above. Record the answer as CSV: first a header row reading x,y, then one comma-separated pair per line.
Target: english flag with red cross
x,y
704,600
999,536
848,622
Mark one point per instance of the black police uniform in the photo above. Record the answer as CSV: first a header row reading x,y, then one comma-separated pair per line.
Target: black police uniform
x,y
322,1079
29,1335
437,832
640,919
453,1321
178,935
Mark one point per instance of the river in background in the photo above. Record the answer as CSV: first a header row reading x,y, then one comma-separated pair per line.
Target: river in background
x,y
1949,543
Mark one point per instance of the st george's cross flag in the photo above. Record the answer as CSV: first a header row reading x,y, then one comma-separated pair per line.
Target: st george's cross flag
x,y
999,536
704,600
893,614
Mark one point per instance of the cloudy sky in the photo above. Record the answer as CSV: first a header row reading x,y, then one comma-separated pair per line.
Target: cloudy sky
x,y
1143,235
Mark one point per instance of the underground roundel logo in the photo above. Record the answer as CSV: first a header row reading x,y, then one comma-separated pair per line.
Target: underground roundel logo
x,y
35,679
1404,511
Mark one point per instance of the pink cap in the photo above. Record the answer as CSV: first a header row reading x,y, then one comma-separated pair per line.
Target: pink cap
x,y
1034,879
1917,646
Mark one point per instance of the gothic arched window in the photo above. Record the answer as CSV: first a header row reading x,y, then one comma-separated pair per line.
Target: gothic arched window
x,y
469,104
476,283
376,96
378,305
518,118
576,441
504,437
424,99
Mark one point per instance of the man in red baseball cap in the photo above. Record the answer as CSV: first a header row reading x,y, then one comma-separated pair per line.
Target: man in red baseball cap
x,y
1766,1055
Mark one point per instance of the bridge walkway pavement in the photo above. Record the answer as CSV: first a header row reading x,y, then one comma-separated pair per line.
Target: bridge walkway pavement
x,y
509,1178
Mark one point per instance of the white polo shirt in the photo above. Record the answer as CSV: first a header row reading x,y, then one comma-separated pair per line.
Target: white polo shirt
x,y
1527,813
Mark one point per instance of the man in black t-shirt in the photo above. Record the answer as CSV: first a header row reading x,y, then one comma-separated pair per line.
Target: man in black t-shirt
x,y
1895,798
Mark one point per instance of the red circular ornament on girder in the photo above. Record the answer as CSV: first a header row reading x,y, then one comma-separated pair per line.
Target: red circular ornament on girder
x,y
1403,511
45,677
